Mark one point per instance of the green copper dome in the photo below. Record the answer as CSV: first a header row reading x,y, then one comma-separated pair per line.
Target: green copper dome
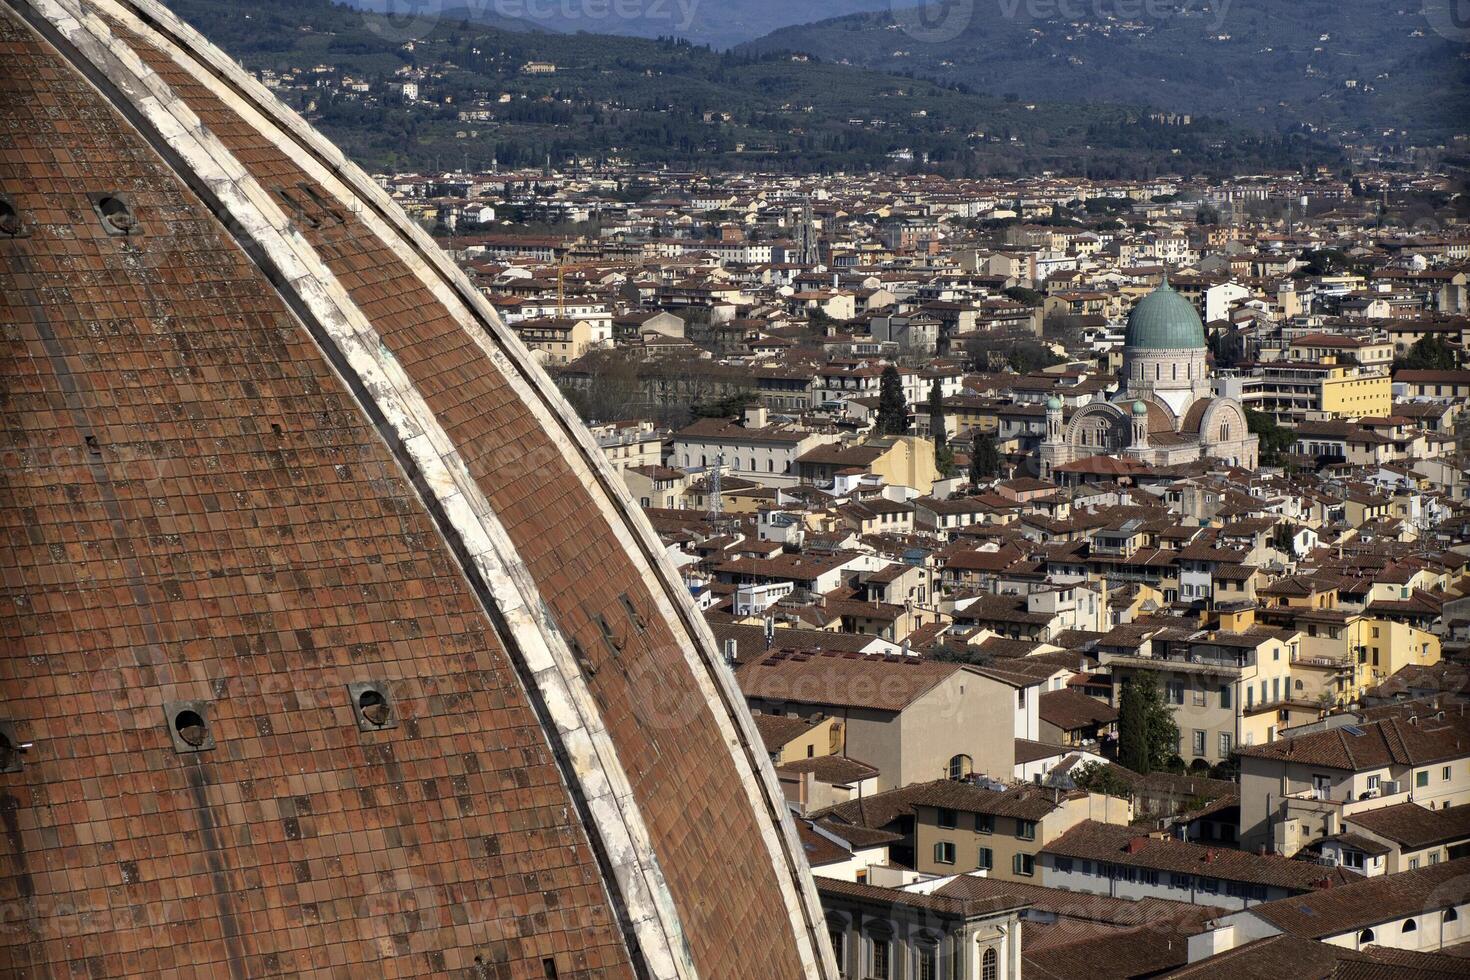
x,y
1164,320
1053,404
1139,408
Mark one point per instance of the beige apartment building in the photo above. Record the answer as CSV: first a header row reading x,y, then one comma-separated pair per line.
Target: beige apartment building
x,y
558,340
633,442
961,827
1402,837
912,720
1300,789
1215,682
658,487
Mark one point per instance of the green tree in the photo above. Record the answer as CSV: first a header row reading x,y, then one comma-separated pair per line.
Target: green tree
x,y
1147,733
1429,353
984,457
1207,214
1275,439
1223,348
944,460
893,408
939,430
1030,355
1100,777
1024,296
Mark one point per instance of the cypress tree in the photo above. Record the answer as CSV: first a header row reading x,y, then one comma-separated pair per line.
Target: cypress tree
x,y
984,457
937,420
1132,729
893,408
1147,732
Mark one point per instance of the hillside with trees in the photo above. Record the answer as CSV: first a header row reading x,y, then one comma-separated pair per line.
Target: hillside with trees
x,y
673,103
1342,65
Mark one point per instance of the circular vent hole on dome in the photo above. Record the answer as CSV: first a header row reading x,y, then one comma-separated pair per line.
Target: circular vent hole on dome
x,y
191,728
10,749
188,726
116,215
9,218
372,706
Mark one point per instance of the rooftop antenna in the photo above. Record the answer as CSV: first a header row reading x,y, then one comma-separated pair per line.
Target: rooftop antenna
x,y
561,296
716,499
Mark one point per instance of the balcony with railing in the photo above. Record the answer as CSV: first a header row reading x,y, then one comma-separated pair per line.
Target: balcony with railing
x,y
1318,802
1340,665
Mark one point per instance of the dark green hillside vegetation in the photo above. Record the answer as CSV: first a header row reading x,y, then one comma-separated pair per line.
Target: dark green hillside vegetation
x,y
670,102
1342,65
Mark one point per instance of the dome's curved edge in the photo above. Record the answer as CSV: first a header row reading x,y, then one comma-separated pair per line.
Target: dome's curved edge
x,y
431,263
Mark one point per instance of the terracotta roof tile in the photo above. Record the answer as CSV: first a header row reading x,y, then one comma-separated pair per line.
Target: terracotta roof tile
x,y
1094,841
1367,901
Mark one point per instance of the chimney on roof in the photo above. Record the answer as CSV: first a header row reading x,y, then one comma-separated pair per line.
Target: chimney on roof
x,y
730,650
1136,844
1211,856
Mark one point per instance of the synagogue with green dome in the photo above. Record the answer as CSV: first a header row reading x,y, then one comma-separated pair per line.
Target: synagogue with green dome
x,y
1166,411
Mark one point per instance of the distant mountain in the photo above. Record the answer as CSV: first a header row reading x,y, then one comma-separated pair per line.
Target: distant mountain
x,y
1344,65
669,102
718,23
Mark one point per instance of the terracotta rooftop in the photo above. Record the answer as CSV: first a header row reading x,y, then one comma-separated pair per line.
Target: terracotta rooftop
x,y
887,683
1274,958
777,730
1368,901
1143,951
1095,841
836,770
1070,710
1371,745
1412,826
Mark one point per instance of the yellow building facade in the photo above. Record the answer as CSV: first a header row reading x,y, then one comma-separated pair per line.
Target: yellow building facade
x,y
1354,393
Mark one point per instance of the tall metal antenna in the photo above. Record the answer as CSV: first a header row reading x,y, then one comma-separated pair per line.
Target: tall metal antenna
x,y
561,296
716,498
